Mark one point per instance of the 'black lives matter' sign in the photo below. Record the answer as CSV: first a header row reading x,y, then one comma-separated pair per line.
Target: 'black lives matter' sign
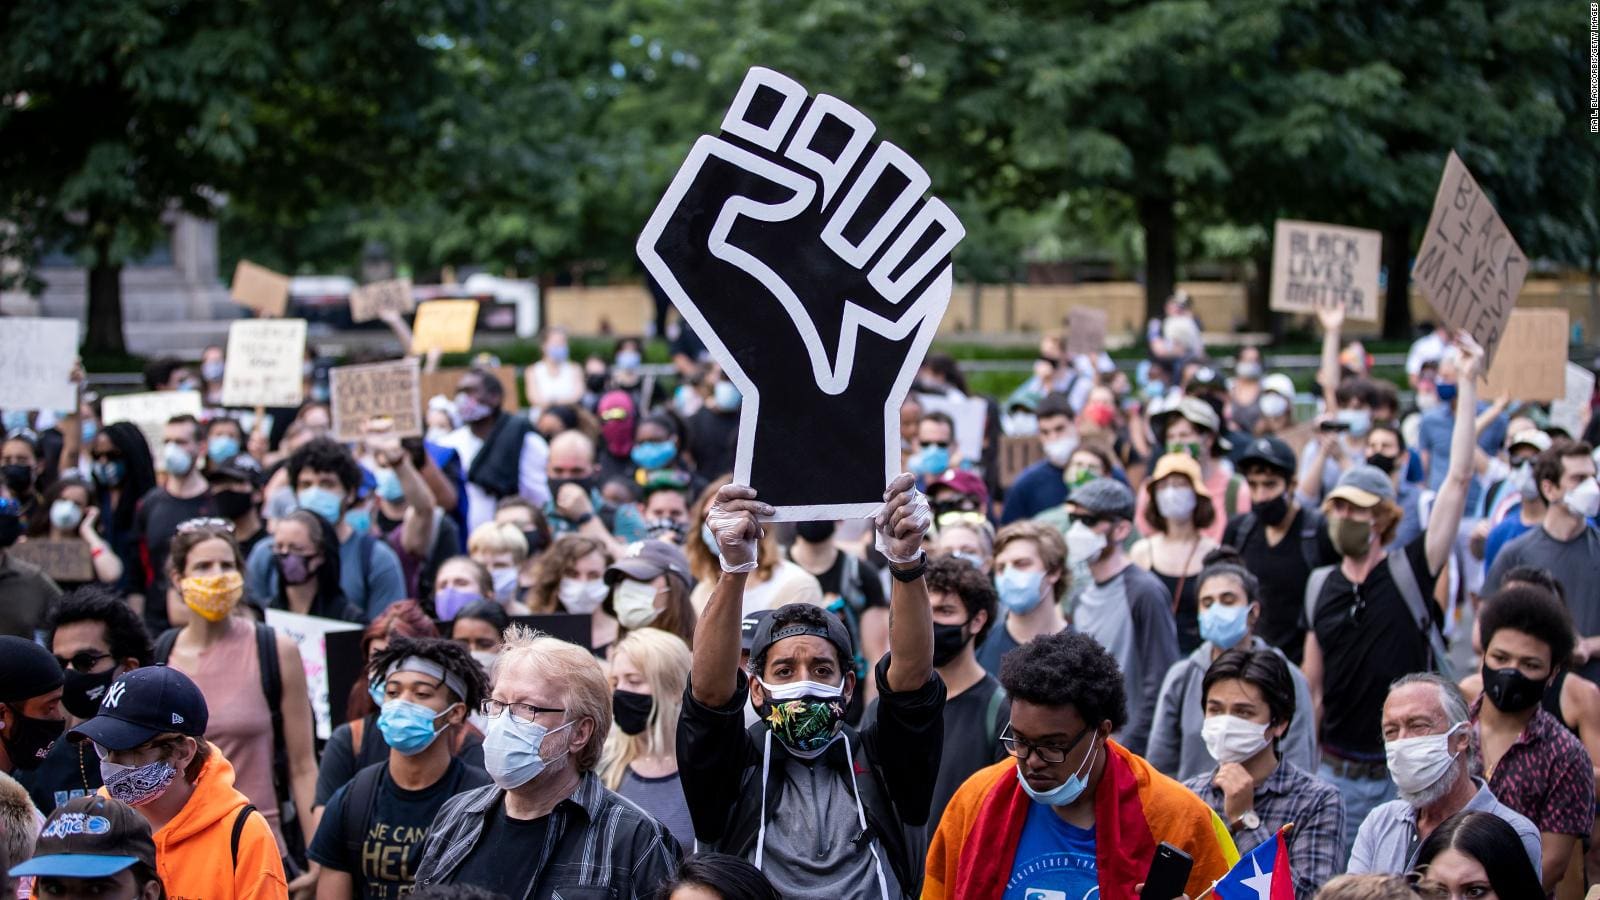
x,y
1317,266
1469,266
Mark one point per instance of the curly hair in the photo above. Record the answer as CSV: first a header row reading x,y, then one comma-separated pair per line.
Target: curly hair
x,y
799,614
449,655
326,455
949,575
403,618
126,634
1067,669
1534,612
553,565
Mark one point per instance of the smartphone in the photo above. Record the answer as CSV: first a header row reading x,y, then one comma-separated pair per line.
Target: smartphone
x,y
1169,874
1334,425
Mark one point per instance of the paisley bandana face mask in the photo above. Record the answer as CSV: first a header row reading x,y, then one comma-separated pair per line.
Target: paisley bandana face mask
x,y
213,597
804,715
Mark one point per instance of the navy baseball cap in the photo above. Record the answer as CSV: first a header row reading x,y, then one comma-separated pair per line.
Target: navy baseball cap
x,y
748,626
90,837
142,705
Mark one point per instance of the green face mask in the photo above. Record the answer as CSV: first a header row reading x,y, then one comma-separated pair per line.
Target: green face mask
x,y
1349,537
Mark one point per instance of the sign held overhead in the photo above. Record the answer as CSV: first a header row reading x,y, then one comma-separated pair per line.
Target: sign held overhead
x,y
1316,265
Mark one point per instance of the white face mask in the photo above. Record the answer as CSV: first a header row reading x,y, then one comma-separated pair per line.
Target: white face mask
x,y
1083,543
1273,405
634,602
1230,739
1584,500
1060,450
1176,503
795,690
486,658
1418,763
581,597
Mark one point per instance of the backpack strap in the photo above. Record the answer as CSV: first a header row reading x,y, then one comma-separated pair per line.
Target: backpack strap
x,y
238,831
991,715
1310,532
1405,579
1314,586
1243,530
1230,496
360,802
164,645
272,690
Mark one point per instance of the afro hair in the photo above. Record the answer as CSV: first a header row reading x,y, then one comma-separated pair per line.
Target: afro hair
x,y
1067,669
1534,612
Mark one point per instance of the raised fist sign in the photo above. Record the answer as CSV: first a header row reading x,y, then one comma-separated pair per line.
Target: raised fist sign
x,y
807,259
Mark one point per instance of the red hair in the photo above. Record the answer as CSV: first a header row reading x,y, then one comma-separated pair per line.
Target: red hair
x,y
403,618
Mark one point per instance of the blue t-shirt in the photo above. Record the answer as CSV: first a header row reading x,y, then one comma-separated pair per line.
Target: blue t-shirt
x,y
1054,861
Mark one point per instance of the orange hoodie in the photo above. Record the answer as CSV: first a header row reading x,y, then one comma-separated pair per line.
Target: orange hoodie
x,y
194,851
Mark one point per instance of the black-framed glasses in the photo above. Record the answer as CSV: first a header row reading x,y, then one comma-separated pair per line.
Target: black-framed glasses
x,y
1088,519
522,713
1051,755
83,660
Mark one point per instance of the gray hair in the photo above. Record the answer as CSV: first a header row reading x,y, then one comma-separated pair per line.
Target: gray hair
x,y
1450,697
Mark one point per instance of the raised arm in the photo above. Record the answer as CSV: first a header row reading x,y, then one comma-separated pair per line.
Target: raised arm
x,y
733,520
71,426
901,525
1451,501
1332,319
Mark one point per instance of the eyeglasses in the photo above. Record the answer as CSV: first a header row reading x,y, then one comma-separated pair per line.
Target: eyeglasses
x,y
83,660
204,522
521,713
1052,755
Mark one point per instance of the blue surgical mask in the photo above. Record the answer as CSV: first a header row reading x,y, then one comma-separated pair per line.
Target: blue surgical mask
x,y
408,727
1359,420
709,538
1019,590
971,559
1224,626
931,461
628,359
109,473
654,454
389,487
726,395
557,353
1067,791
321,501
222,448
375,690
177,460
14,420
511,750
359,519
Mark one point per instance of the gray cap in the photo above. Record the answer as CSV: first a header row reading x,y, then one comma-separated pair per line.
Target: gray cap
x,y
1103,497
1364,486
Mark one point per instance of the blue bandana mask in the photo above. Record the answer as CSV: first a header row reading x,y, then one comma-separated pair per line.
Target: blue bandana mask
x,y
408,727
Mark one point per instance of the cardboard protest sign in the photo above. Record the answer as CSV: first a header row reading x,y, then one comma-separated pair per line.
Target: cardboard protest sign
x,y
1571,412
811,264
1316,265
369,300
312,635
1532,361
150,412
442,382
63,561
1469,266
445,325
264,363
260,288
36,360
1086,332
380,390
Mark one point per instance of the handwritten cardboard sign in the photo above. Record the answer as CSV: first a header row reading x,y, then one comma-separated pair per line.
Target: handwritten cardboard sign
x,y
260,288
264,363
1086,332
380,390
36,359
446,325
370,300
1469,266
444,382
1571,412
1316,265
1532,361
149,411
63,561
314,635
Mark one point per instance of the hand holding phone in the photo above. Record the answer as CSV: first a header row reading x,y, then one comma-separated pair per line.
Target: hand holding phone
x,y
1169,873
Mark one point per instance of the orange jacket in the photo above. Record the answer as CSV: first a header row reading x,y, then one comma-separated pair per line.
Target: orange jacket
x,y
194,854
1136,808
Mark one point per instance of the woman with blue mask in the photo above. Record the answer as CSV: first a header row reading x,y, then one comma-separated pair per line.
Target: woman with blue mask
x,y
1230,607
372,832
71,516
1030,575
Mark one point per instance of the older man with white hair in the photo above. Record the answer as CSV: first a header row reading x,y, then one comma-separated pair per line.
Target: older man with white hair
x,y
547,826
1430,752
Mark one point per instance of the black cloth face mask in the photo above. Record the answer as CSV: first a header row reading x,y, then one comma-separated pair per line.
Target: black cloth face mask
x,y
1510,690
631,711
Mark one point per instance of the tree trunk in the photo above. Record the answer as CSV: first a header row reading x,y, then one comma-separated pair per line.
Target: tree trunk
x,y
104,335
1258,293
1397,299
1160,252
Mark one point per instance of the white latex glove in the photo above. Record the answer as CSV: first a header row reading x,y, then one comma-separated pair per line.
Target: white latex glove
x,y
904,520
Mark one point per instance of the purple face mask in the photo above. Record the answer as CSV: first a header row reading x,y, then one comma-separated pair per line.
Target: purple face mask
x,y
452,600
294,568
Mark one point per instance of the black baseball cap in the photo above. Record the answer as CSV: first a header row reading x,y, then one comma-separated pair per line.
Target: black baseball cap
x,y
27,670
769,631
1270,452
142,705
748,626
90,837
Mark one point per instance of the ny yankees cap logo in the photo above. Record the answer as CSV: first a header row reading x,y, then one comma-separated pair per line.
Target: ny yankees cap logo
x,y
114,696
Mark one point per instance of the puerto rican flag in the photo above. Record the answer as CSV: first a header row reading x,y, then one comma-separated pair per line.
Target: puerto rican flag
x,y
1262,875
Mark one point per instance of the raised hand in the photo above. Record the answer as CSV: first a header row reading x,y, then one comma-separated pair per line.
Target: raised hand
x,y
904,520
1469,358
734,520
809,262
1331,316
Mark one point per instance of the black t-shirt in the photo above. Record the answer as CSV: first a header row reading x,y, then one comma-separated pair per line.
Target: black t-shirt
x,y
68,771
506,860
973,720
1369,639
1187,589
867,590
1282,571
393,835
156,521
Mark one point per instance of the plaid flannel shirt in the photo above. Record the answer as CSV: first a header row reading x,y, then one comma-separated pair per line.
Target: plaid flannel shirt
x,y
1316,844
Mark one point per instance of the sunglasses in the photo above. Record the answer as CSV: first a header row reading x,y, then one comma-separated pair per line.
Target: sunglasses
x,y
1088,519
82,661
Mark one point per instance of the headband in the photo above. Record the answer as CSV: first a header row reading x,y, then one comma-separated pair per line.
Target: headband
x,y
431,669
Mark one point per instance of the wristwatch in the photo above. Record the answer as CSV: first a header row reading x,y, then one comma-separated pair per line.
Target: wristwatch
x,y
1249,821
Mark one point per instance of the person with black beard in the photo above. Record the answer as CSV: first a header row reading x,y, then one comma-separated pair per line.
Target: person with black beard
x,y
27,591
31,720
95,637
1279,541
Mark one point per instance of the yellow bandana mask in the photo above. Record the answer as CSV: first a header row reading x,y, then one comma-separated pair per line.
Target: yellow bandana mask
x,y
213,597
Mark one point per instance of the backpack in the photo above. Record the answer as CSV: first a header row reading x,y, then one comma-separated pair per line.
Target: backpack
x,y
1310,528
238,830
1405,580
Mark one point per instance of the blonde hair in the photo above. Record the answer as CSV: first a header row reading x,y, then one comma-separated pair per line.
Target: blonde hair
x,y
663,659
703,563
586,693
1047,541
498,537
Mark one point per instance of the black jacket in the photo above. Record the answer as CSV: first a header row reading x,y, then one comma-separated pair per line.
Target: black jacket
x,y
495,467
896,758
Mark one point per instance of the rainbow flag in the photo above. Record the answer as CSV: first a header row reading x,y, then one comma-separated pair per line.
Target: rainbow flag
x,y
1263,873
